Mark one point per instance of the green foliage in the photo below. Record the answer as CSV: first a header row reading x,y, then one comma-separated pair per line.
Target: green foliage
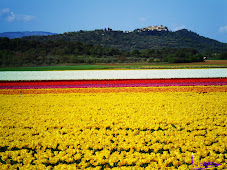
x,y
108,46
139,40
222,56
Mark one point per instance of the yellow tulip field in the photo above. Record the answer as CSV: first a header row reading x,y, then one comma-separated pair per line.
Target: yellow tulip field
x,y
109,128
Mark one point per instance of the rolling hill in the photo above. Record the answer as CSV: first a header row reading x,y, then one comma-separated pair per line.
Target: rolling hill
x,y
150,44
139,39
13,35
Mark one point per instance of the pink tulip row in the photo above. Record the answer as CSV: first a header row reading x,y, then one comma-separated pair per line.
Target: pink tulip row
x,y
115,85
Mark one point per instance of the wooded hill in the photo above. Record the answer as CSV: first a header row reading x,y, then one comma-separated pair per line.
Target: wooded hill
x,y
108,46
139,39
13,35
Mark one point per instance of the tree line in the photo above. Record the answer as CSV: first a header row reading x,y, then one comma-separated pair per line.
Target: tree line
x,y
21,52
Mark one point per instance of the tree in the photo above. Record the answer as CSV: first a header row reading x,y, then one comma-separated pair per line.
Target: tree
x,y
121,58
63,59
60,51
135,53
222,56
43,53
112,51
72,59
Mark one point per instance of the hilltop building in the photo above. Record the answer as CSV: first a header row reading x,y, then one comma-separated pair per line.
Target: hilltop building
x,y
155,28
159,28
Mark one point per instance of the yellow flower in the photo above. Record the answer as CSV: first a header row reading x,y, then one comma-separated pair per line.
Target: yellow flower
x,y
123,128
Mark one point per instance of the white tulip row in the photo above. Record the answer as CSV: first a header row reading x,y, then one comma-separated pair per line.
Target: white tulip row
x,y
112,74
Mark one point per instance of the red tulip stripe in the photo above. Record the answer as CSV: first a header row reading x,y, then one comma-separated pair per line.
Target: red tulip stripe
x,y
112,83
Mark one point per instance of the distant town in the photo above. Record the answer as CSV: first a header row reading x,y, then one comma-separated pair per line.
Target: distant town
x,y
151,28
159,28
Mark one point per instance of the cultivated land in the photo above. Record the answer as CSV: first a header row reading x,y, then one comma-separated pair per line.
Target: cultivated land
x,y
54,125
104,128
206,64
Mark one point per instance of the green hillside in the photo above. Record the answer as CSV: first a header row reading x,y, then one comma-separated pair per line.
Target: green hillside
x,y
108,46
139,39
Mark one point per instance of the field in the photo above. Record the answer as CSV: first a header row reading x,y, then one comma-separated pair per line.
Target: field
x,y
114,124
206,64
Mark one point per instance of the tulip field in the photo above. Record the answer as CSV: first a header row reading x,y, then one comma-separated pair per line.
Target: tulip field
x,y
149,124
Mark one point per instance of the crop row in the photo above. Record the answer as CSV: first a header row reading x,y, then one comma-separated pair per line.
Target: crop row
x,y
111,83
197,89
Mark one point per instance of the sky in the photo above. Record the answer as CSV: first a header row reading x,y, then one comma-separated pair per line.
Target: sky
x,y
208,18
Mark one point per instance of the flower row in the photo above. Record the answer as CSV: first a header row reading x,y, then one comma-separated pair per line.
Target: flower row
x,y
112,83
115,85
198,89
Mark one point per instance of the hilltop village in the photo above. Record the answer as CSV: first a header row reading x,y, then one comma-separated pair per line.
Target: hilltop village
x,y
159,28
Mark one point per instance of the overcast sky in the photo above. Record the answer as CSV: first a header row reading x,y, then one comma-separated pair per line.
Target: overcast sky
x,y
205,17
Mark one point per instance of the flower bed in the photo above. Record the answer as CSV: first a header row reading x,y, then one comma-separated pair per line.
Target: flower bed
x,y
197,89
112,74
109,126
112,83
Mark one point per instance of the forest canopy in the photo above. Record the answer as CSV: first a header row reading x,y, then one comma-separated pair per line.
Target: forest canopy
x,y
108,46
18,52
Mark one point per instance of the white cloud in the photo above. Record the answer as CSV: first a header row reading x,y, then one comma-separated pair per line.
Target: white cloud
x,y
25,18
143,19
9,16
223,29
3,11
176,28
